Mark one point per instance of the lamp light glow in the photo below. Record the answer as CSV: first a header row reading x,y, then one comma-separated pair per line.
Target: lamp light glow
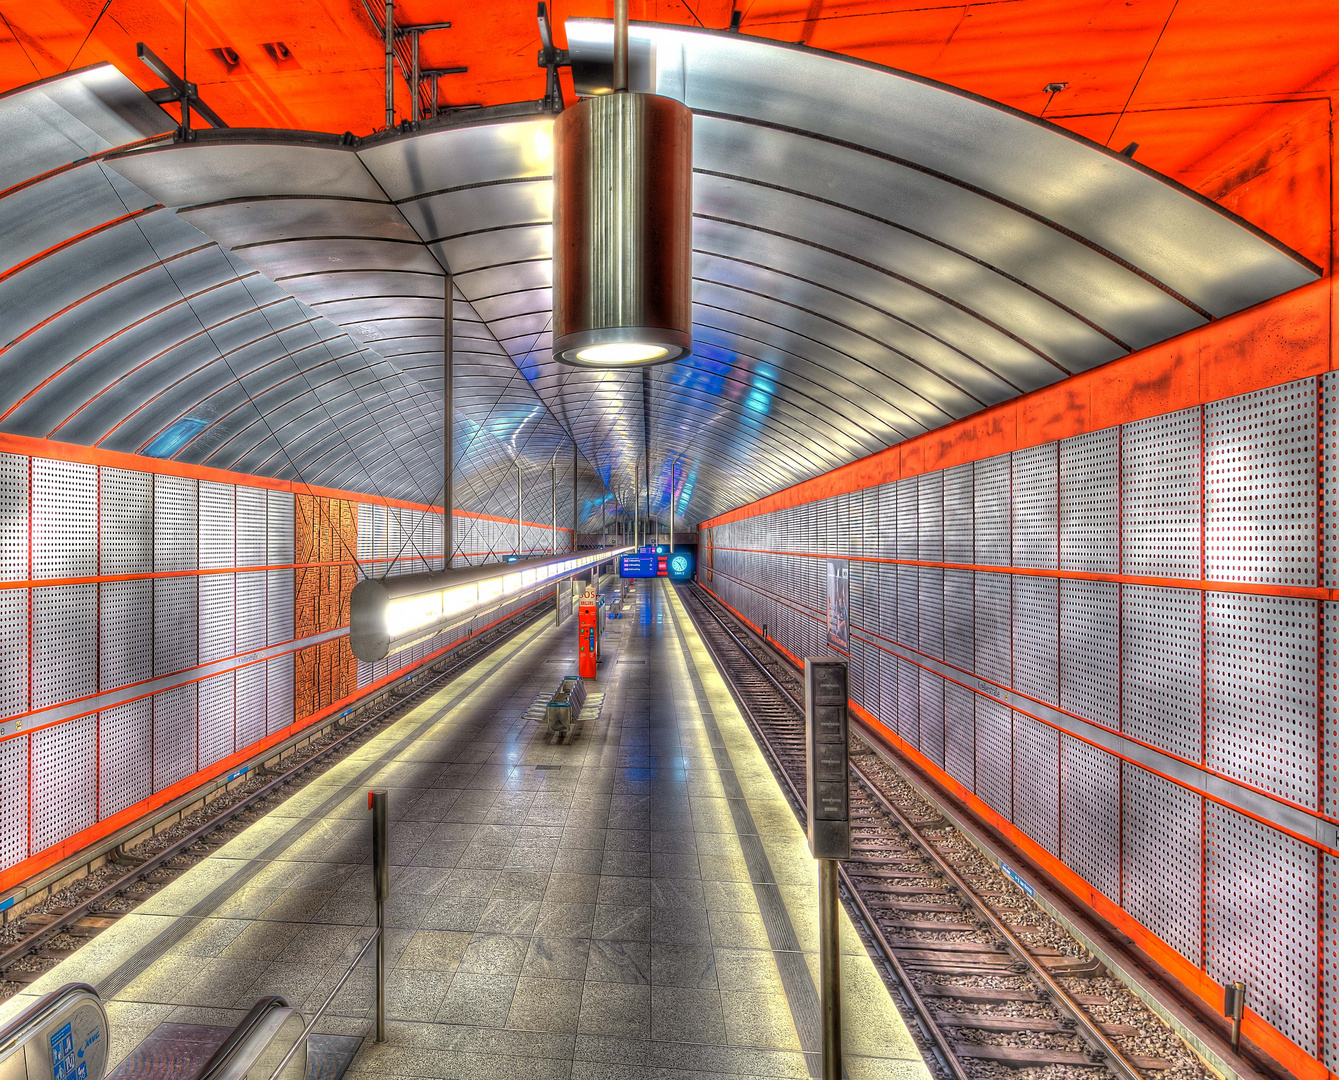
x,y
621,352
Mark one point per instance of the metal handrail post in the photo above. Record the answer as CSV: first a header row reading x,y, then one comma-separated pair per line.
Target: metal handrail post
x,y
381,883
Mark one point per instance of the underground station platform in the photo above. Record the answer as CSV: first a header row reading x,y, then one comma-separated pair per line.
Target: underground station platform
x,y
634,899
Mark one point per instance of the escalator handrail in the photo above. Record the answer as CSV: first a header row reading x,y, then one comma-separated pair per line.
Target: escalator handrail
x,y
220,1058
14,1028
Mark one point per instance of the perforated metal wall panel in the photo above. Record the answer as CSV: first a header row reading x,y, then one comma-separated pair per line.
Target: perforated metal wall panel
x,y
125,638
279,610
958,532
1036,507
959,618
279,530
859,612
64,781
909,702
1036,643
252,509
1162,658
1261,692
930,516
279,709
887,521
218,526
65,643
932,716
1090,650
995,755
1037,781
365,532
1160,495
251,619
931,616
909,605
125,517
64,519
1331,716
856,673
960,734
994,624
125,755
13,651
872,540
1260,486
908,507
888,690
175,524
992,534
217,706
1329,383
888,598
1261,890
218,617
1163,858
1330,991
13,518
1090,502
174,620
1090,802
173,735
14,798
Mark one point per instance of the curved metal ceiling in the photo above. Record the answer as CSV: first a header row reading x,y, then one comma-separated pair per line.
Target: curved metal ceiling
x,y
876,255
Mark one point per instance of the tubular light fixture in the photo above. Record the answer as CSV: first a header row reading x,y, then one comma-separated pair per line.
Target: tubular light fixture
x,y
394,612
622,225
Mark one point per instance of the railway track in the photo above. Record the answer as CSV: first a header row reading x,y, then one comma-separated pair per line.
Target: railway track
x,y
38,940
990,983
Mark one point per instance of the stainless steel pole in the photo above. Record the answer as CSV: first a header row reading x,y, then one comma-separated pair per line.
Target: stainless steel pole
x,y
553,522
448,424
518,510
636,506
414,76
574,496
829,969
620,45
674,495
390,64
381,883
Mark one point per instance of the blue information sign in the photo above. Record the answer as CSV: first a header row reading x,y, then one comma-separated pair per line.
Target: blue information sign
x,y
635,566
680,566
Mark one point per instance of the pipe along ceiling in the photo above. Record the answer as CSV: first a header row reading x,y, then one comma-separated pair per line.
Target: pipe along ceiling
x,y
874,255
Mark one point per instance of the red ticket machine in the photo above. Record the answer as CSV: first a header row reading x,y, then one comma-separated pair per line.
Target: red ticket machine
x,y
588,633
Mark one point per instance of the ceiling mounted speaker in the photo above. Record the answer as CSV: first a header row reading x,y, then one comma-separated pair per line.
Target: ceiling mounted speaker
x,y
622,231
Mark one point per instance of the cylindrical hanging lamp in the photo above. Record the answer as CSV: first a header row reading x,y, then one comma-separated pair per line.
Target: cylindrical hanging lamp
x,y
622,228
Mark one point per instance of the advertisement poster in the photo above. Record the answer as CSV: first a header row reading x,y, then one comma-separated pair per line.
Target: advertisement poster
x,y
839,606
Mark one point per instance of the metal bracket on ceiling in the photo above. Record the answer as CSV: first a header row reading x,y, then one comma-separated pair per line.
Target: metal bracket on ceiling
x,y
179,90
551,59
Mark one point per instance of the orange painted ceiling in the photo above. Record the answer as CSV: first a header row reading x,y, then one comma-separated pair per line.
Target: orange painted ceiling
x,y
1218,93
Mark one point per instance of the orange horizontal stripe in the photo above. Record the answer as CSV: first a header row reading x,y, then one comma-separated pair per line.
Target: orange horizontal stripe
x,y
1275,342
54,450
1301,592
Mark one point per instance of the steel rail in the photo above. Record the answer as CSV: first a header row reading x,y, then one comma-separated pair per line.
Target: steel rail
x,y
37,940
1098,1042
930,1029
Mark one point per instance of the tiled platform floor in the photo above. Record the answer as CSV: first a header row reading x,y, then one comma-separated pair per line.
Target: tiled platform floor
x,y
639,903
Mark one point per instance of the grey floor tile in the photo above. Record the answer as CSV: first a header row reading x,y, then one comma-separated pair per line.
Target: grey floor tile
x,y
687,1015
546,1004
556,957
692,966
619,961
619,1009
494,954
478,1000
